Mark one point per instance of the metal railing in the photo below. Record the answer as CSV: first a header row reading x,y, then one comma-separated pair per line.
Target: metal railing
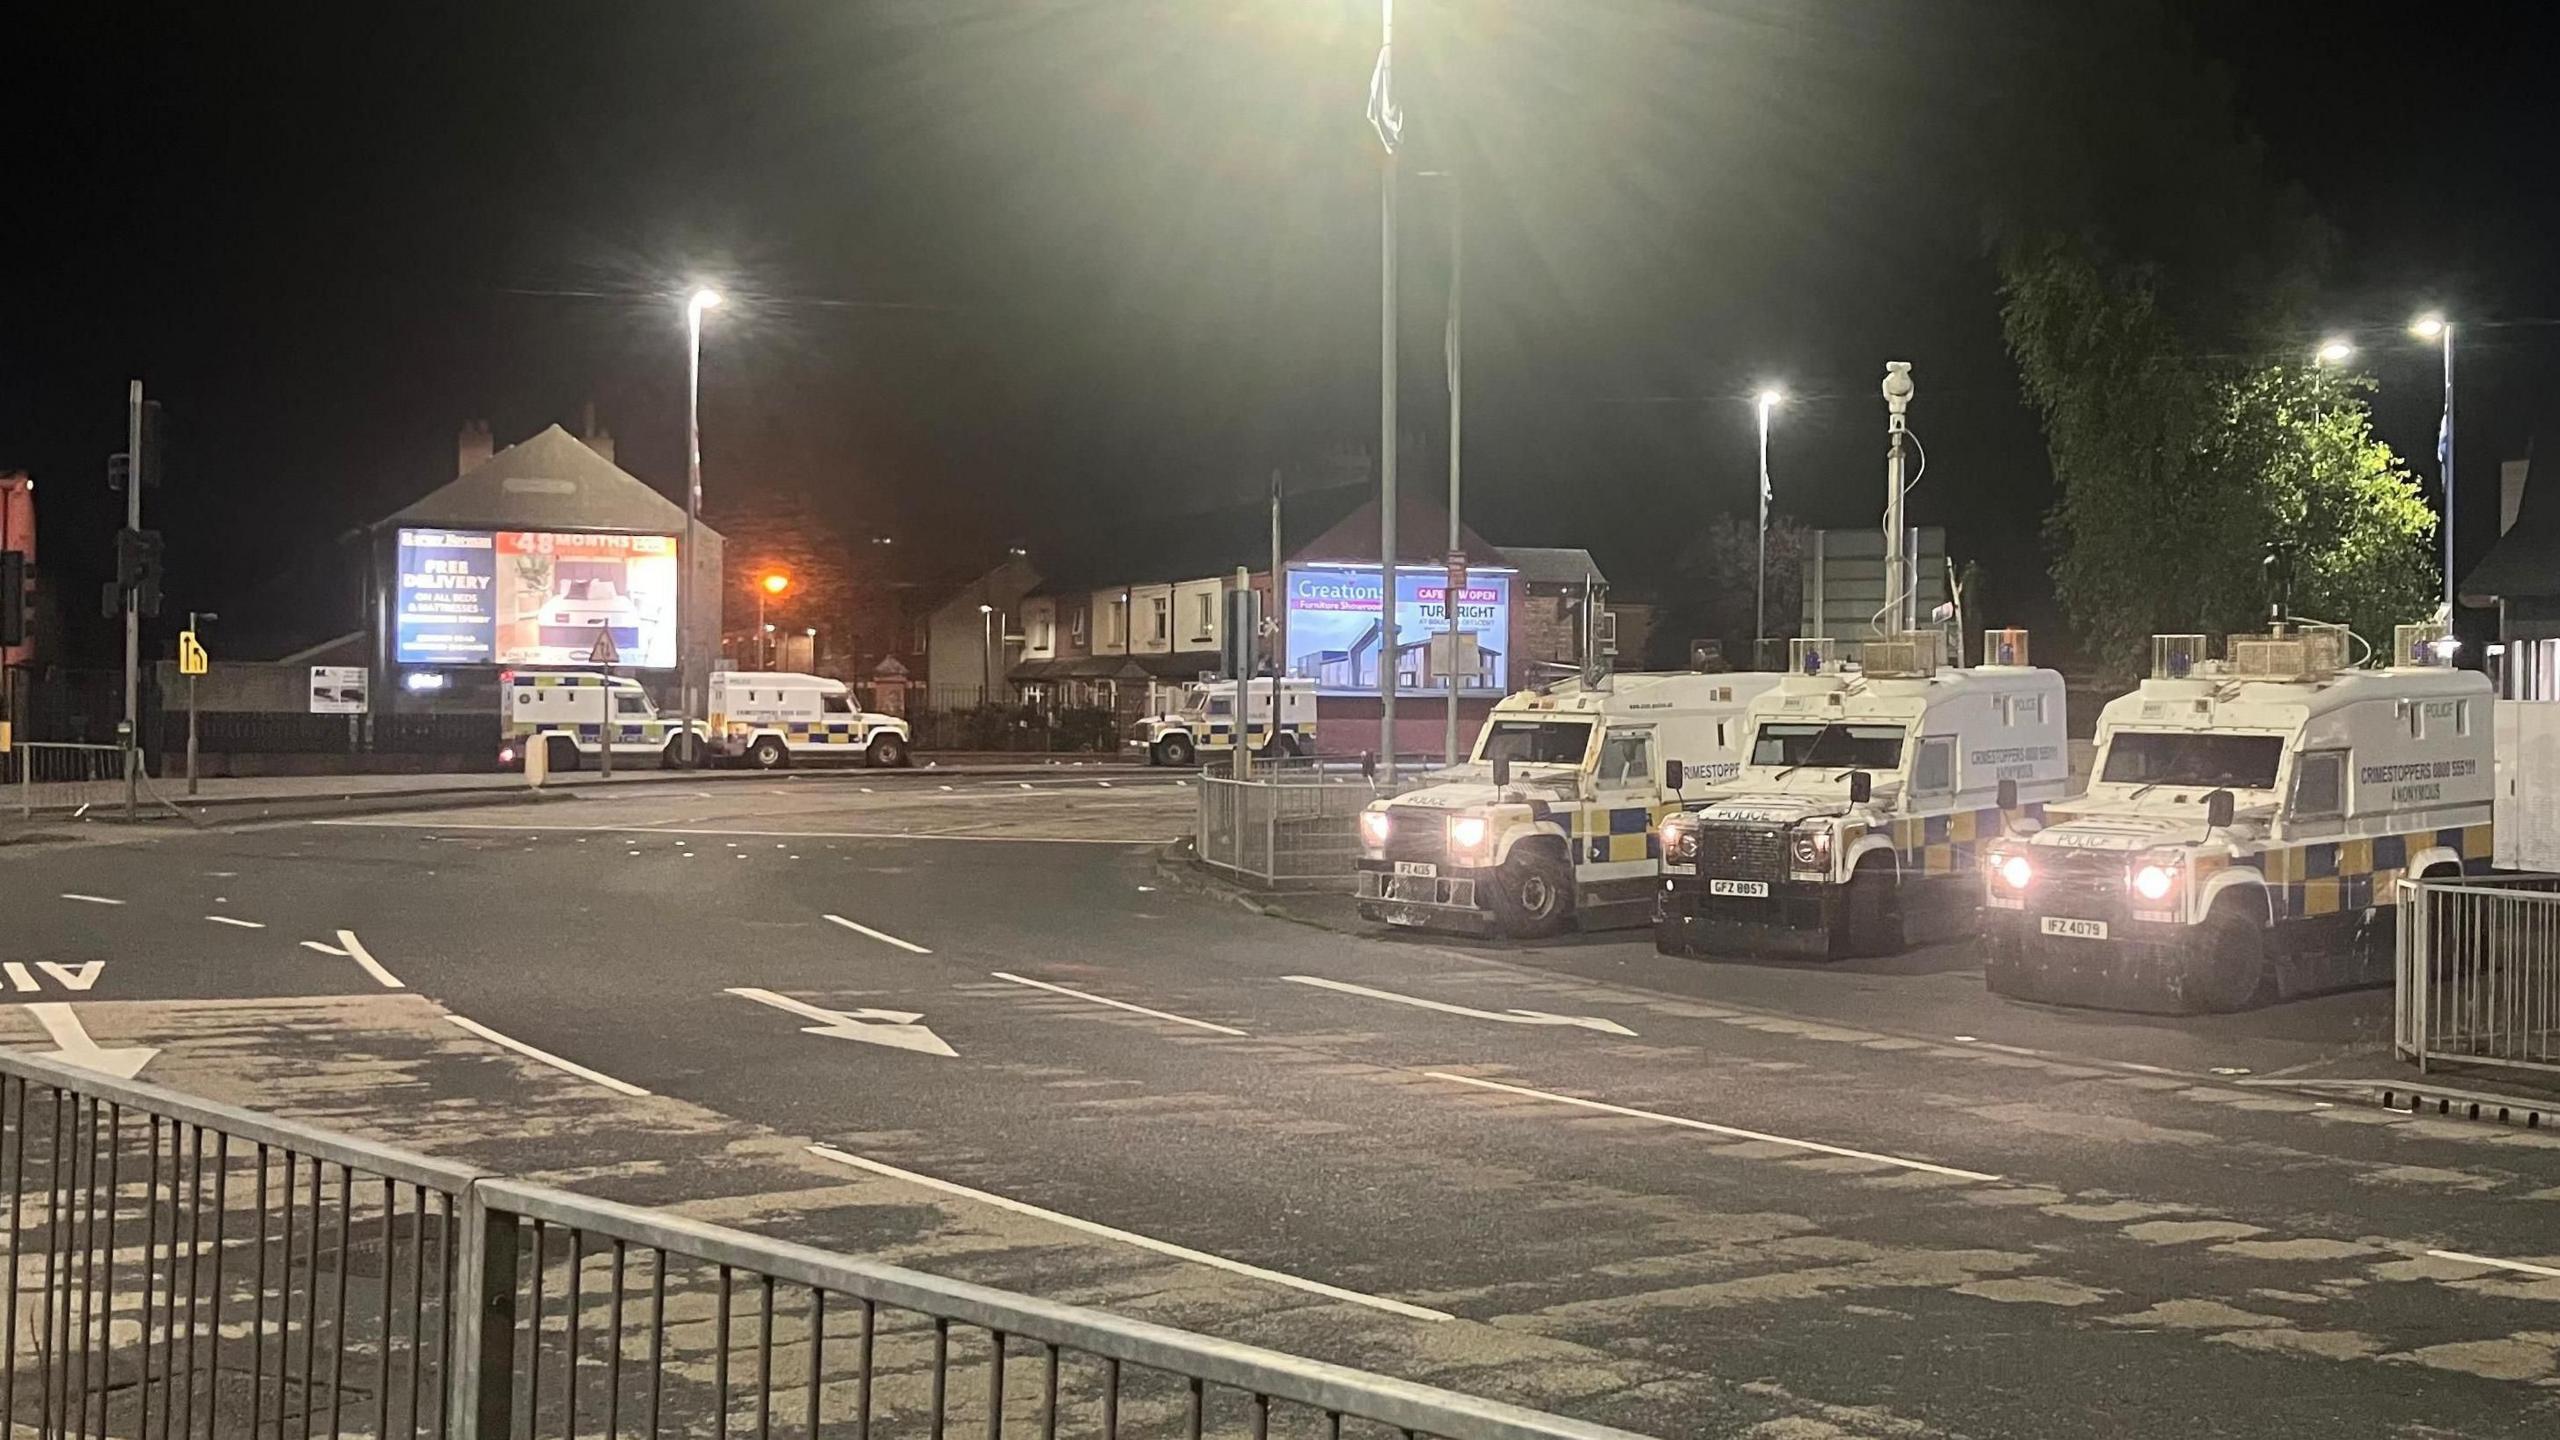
x,y
50,775
183,1269
2478,971
1291,824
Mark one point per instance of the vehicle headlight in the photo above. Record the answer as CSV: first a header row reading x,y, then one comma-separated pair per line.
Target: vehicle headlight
x,y
2013,870
1810,847
1373,827
1466,832
1680,839
2153,880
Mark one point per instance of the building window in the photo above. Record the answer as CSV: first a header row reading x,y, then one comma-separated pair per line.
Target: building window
x,y
1042,627
1075,625
1204,621
1160,618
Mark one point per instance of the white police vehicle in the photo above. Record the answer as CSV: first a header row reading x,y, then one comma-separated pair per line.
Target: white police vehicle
x,y
771,719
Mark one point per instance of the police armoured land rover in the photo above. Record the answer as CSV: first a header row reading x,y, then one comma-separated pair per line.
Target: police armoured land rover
x,y
2244,826
1202,722
1864,794
1552,822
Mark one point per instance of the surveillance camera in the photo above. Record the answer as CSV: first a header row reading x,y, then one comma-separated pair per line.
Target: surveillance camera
x,y
1897,382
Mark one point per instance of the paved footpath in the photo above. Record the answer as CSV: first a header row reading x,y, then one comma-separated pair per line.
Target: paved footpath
x,y
1693,1199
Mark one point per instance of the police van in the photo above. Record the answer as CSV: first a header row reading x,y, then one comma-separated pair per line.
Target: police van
x,y
1202,721
570,711
1550,824
771,719
2244,827
1864,795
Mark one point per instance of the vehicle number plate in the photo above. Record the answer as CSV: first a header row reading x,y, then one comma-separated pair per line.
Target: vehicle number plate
x,y
1423,868
1758,889
2075,929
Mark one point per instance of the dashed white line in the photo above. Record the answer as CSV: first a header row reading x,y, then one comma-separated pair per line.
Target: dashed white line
x,y
1114,1004
243,924
546,1057
2543,1270
1684,1122
91,899
1126,1237
356,952
883,936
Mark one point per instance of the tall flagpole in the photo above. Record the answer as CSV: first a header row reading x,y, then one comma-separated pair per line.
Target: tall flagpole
x,y
1390,124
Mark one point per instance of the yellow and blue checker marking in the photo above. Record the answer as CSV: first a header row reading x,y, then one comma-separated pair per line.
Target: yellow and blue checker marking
x,y
1949,844
822,732
2327,877
1616,834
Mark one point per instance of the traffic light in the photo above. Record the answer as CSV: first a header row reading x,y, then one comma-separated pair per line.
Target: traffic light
x,y
138,554
13,597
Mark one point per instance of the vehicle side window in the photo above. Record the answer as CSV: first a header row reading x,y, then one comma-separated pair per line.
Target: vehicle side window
x,y
2319,786
1933,767
632,704
1626,758
1221,705
838,704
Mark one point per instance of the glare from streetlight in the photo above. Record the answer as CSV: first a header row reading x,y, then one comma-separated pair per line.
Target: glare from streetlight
x,y
2427,327
986,609
703,299
1771,398
775,583
2333,352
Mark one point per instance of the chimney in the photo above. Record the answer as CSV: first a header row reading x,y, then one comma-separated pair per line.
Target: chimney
x,y
598,438
475,447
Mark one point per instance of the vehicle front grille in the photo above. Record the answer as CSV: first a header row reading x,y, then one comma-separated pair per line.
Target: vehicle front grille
x,y
1742,852
2085,884
1417,836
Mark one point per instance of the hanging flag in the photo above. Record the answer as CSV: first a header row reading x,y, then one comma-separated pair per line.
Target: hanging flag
x,y
1383,114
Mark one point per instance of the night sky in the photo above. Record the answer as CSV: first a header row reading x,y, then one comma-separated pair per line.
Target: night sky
x,y
1003,272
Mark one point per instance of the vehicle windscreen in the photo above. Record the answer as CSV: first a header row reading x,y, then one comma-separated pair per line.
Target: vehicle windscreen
x,y
2191,757
1538,742
1851,747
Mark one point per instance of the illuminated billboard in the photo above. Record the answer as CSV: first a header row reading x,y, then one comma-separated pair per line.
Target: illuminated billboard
x,y
534,597
1334,631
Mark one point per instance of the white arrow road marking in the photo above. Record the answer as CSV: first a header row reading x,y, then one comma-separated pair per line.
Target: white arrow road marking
x,y
2480,1260
1507,1017
1144,1242
882,936
894,1028
546,1057
90,899
73,977
356,952
72,1045
1114,1004
324,947
1713,1129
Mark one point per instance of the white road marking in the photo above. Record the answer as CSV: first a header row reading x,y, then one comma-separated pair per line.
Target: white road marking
x,y
546,1057
882,936
1126,1237
1114,1004
2543,1270
72,1045
73,977
895,1028
324,947
391,824
356,952
19,975
1713,1129
90,899
1507,1017
243,924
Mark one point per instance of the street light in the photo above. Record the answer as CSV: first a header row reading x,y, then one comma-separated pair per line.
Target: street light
x,y
987,656
702,299
2435,327
1767,400
770,586
2333,351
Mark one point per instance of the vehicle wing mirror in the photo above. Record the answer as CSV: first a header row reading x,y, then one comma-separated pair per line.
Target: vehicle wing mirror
x,y
2008,795
1673,773
2217,809
1368,764
1862,787
1501,772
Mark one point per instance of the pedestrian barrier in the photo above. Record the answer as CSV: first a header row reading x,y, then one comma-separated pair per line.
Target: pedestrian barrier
x,y
180,1268
1289,824
49,775
2478,971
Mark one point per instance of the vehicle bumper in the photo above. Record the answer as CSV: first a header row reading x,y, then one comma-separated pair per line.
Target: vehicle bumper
x,y
2155,967
1453,900
1796,917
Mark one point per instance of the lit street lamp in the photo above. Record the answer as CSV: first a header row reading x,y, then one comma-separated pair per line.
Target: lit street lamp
x,y
2333,351
1767,400
987,656
772,586
2437,328
702,299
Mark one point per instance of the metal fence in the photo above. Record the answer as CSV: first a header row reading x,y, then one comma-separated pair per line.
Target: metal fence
x,y
1290,824
49,775
2478,978
183,1269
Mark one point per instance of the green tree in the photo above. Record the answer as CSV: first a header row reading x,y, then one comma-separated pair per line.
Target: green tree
x,y
1714,597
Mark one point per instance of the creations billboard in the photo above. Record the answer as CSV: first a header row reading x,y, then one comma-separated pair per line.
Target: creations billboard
x,y
1333,629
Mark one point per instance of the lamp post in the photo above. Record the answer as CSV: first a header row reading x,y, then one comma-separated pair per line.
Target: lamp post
x,y
2439,329
1389,123
771,586
702,299
1766,401
987,656
196,619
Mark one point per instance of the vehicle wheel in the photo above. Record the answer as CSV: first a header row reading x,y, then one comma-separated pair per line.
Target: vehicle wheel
x,y
1533,893
769,753
1285,747
1875,911
1176,751
2231,972
887,752
682,753
564,756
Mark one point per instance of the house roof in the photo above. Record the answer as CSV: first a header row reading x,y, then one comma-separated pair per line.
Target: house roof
x,y
1338,522
1544,565
2525,563
552,481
